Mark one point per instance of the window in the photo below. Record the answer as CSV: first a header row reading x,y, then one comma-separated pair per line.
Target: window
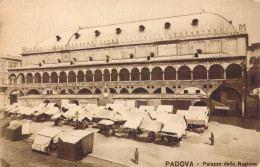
x,y
197,91
131,56
59,61
195,22
74,59
40,64
167,25
179,86
186,91
118,31
199,51
204,86
152,54
71,62
58,38
148,58
43,61
90,58
97,33
141,28
77,35
196,55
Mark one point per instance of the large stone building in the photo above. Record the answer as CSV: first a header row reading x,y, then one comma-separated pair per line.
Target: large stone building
x,y
196,59
7,62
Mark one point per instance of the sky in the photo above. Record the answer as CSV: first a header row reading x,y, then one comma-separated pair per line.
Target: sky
x,y
25,23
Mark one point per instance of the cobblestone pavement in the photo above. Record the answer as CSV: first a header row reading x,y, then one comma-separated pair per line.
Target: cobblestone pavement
x,y
232,144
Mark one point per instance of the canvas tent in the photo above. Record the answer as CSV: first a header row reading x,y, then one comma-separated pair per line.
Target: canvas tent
x,y
13,132
173,124
44,138
150,125
134,119
194,118
3,125
74,145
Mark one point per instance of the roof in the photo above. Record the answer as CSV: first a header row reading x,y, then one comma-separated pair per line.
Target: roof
x,y
74,136
151,125
165,108
49,132
134,119
209,25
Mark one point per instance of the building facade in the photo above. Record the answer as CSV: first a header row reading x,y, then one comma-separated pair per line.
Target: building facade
x,y
7,62
196,59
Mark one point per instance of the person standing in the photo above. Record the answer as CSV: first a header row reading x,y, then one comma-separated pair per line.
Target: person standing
x,y
136,156
212,139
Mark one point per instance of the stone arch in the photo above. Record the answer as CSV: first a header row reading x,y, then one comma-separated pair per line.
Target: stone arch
x,y
159,90
84,91
54,77
97,91
112,90
63,77
145,74
169,73
135,74
184,73
114,75
106,75
157,73
124,74
80,76
89,76
20,78
227,96
14,94
29,78
216,72
140,91
37,78
72,76
12,79
33,92
62,92
199,72
234,71
70,91
45,77
98,75
124,91
169,91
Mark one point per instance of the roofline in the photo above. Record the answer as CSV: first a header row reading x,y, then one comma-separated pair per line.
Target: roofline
x,y
136,21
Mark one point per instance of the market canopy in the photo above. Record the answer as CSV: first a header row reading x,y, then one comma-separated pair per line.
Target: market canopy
x,y
151,125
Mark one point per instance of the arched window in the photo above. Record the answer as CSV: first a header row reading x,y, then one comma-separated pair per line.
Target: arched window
x,y
112,90
29,78
157,73
145,74
33,92
234,71
216,72
54,77
170,73
199,72
89,76
37,78
135,75
45,78
124,91
98,76
184,73
124,75
63,77
106,75
140,91
80,77
20,79
97,91
84,91
159,90
114,75
72,76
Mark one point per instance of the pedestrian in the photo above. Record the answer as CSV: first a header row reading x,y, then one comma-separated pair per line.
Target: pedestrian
x,y
136,156
212,139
